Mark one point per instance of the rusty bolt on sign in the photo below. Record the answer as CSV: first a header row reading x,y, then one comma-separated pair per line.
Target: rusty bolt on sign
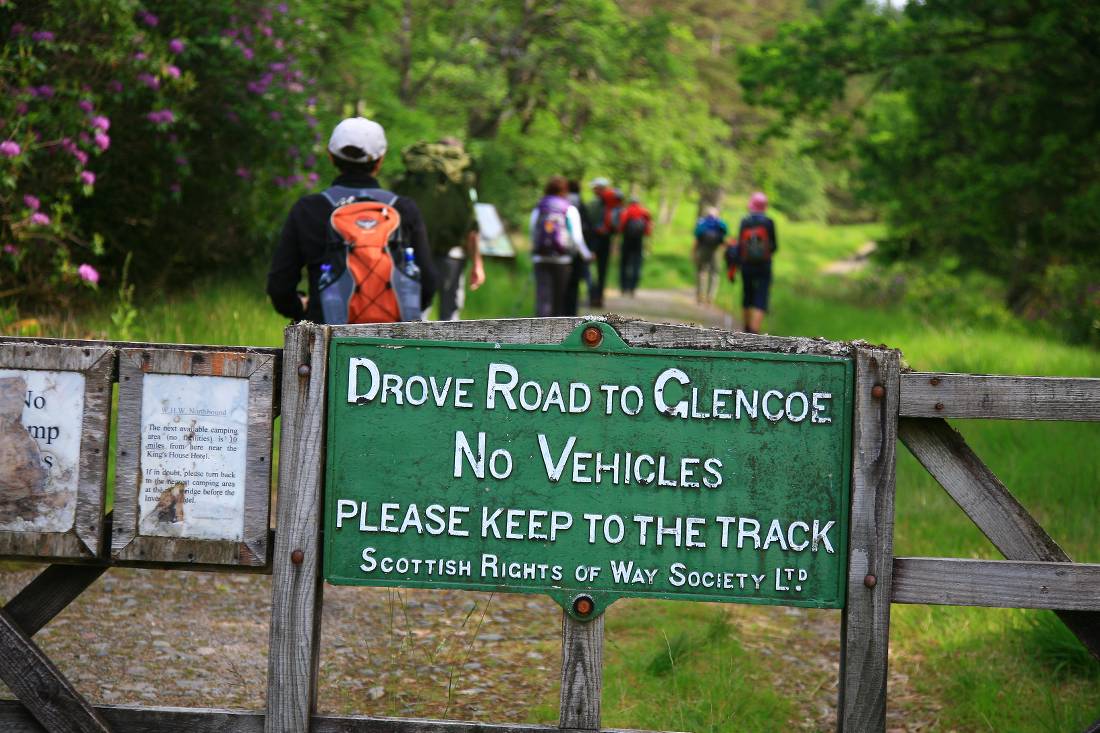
x,y
583,606
297,556
592,336
303,370
878,391
870,581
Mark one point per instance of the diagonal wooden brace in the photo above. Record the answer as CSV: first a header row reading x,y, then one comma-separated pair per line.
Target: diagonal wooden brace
x,y
49,594
41,687
992,507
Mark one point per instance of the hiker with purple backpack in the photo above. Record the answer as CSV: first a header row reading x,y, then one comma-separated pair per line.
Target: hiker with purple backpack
x,y
556,235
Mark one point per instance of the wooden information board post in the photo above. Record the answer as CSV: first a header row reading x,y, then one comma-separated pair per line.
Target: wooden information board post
x,y
587,459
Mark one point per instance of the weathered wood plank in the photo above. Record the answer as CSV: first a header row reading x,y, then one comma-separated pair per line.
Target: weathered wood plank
x,y
996,583
865,625
41,687
49,594
581,673
131,719
642,334
977,490
938,394
979,493
1094,728
296,590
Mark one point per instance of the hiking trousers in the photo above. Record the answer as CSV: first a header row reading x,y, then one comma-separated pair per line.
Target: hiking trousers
x,y
601,247
630,267
706,273
551,283
452,295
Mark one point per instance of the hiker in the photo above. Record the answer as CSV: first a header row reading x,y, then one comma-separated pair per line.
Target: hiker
x,y
556,233
357,148
581,271
602,221
710,232
440,178
756,245
636,224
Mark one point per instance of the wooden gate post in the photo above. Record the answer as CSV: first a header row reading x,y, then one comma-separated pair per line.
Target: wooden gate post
x,y
296,570
865,625
581,673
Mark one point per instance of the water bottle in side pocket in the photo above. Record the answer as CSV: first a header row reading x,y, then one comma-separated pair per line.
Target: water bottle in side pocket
x,y
406,286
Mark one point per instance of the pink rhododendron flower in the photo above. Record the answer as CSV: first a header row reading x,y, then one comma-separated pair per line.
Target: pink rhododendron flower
x,y
100,122
86,105
21,108
313,178
243,172
140,56
10,149
41,219
248,54
31,202
161,117
176,46
87,178
42,36
11,249
172,71
102,141
114,86
88,273
149,19
81,156
149,80
45,91
17,29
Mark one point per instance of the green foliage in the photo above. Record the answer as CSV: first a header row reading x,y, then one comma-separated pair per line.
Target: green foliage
x,y
973,125
165,135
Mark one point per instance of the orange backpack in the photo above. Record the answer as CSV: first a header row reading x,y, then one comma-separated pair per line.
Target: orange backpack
x,y
364,279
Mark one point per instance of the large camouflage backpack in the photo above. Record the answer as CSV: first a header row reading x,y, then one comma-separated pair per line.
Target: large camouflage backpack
x,y
439,178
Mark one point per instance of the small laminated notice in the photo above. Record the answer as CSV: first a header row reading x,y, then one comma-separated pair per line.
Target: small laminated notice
x,y
193,456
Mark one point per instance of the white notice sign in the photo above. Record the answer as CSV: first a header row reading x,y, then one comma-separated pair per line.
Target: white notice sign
x,y
193,447
41,413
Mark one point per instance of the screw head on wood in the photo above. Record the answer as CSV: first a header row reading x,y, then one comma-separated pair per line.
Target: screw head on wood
x,y
303,370
583,606
934,381
870,581
592,336
878,391
939,407
297,556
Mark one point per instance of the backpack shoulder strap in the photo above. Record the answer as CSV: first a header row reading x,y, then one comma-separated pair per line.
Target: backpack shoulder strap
x,y
335,194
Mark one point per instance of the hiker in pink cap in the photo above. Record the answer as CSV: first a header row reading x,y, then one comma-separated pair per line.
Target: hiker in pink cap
x,y
756,245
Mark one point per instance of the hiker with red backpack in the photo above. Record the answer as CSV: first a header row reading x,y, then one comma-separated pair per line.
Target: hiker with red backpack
x,y
636,224
756,245
556,234
604,213
365,249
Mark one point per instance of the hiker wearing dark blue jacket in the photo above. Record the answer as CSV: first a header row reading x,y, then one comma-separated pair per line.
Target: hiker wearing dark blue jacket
x,y
710,232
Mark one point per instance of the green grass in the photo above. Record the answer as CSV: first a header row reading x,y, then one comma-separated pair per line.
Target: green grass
x,y
674,665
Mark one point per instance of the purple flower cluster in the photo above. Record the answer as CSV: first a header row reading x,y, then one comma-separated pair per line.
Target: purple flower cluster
x,y
42,36
148,18
161,117
176,46
10,149
31,202
87,178
88,273
40,219
149,80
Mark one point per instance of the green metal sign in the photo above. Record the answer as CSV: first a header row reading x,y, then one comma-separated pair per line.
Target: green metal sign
x,y
588,470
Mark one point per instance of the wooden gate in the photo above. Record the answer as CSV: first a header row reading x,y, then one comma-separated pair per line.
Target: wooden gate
x,y
888,404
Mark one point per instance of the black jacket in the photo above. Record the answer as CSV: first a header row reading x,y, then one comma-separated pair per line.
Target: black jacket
x,y
755,219
305,238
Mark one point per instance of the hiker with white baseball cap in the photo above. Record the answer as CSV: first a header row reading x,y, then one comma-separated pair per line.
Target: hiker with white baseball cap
x,y
363,272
